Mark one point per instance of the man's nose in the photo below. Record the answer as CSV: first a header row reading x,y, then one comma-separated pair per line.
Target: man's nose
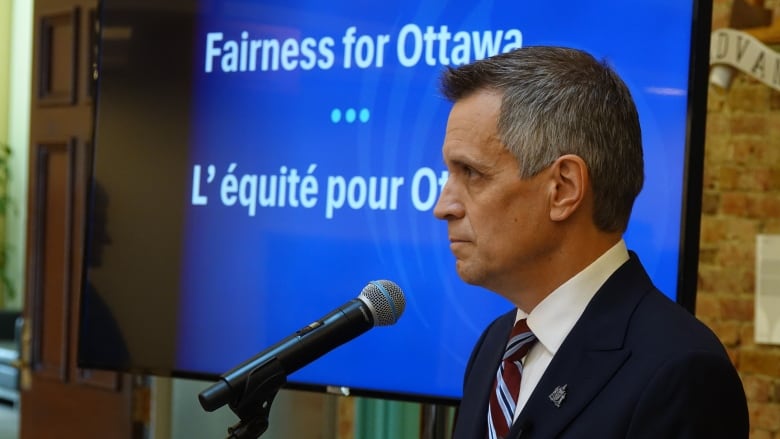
x,y
448,206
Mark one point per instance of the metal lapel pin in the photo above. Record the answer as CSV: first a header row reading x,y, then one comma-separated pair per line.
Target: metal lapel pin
x,y
558,395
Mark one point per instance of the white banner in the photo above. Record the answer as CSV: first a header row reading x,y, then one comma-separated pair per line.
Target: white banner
x,y
744,52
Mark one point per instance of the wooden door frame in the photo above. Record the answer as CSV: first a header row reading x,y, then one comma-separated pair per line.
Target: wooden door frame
x,y
56,395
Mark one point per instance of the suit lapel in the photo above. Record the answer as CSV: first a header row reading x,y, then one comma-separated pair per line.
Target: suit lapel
x,y
566,389
591,354
474,407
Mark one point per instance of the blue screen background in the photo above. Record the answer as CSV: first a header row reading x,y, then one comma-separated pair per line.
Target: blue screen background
x,y
250,280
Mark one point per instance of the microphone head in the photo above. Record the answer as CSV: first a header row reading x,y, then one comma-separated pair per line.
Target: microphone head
x,y
386,301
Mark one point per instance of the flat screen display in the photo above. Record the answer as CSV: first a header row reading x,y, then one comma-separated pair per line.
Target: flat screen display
x,y
258,162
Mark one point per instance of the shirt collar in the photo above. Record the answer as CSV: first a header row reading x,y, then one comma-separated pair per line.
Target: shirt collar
x,y
555,316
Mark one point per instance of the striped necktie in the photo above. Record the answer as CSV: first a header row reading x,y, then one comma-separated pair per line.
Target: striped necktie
x,y
503,399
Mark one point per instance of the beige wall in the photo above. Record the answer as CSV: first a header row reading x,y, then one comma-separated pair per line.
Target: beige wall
x,y
15,83
5,49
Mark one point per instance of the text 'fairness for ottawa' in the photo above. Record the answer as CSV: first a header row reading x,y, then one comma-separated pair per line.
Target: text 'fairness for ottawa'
x,y
412,46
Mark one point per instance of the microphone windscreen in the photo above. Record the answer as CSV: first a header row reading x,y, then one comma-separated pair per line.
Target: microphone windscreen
x,y
386,301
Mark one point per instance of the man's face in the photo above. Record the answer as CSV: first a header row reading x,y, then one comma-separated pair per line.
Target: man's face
x,y
498,224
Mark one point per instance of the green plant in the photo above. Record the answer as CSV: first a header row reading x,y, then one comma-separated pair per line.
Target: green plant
x,y
5,205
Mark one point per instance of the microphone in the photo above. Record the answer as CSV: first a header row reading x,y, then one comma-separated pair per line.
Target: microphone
x,y
381,303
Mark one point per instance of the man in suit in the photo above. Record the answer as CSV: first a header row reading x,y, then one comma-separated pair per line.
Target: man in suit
x,y
544,153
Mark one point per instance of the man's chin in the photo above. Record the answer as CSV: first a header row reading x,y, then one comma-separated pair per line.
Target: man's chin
x,y
467,274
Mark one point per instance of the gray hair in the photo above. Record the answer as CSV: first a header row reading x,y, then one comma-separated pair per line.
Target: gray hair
x,y
559,101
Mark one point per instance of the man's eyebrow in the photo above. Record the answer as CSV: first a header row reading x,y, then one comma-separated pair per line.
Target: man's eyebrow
x,y
463,160
477,161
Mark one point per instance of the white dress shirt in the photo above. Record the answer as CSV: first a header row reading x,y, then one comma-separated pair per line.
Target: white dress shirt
x,y
555,316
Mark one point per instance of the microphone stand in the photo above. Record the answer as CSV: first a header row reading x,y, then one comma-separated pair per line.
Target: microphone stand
x,y
254,404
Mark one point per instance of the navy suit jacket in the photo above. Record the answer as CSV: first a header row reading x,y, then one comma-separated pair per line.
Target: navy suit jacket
x,y
635,365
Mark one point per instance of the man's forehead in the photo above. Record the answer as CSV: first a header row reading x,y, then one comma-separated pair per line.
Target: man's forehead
x,y
485,103
485,150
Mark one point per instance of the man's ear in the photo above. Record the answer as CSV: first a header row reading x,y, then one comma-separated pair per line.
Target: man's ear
x,y
570,180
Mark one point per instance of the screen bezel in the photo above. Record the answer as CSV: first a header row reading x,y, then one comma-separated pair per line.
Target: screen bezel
x,y
690,214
